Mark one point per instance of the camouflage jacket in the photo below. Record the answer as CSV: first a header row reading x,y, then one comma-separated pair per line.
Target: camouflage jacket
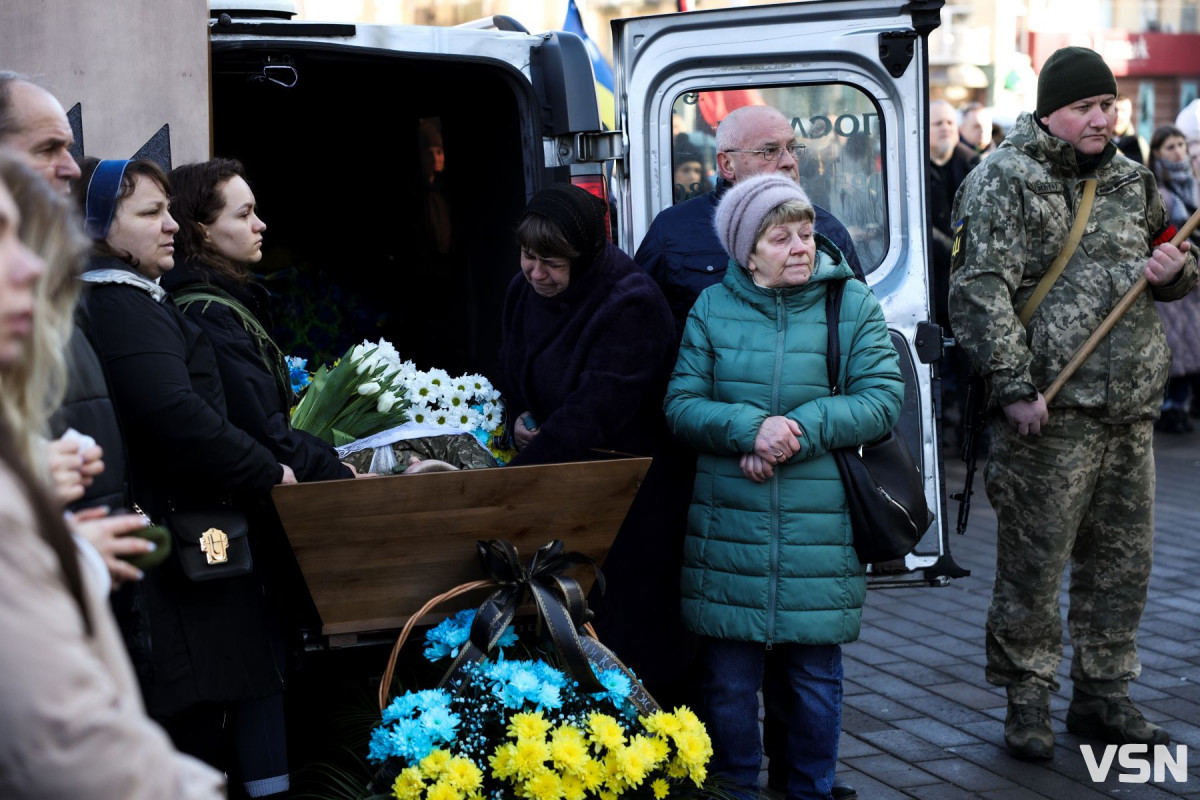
x,y
1013,215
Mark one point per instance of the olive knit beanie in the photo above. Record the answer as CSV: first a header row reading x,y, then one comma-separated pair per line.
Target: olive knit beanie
x,y
1070,74
744,206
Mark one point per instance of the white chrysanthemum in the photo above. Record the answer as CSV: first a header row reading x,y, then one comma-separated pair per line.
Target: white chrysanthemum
x,y
465,419
490,417
439,377
439,417
387,352
421,390
369,388
406,371
478,386
454,399
420,414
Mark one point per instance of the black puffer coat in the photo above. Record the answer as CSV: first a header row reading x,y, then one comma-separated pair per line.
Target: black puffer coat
x,y
256,402
191,642
88,408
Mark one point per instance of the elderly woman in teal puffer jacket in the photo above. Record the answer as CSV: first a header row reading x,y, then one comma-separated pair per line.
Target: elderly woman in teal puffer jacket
x,y
769,565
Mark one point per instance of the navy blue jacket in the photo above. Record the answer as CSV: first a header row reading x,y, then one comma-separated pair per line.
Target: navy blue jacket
x,y
683,255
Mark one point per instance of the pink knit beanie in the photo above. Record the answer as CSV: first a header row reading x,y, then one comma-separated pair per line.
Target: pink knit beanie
x,y
744,206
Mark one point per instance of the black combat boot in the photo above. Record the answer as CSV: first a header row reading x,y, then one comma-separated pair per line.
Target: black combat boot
x,y
1112,719
1027,732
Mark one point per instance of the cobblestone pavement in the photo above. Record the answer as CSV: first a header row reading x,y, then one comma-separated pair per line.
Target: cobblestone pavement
x,y
920,721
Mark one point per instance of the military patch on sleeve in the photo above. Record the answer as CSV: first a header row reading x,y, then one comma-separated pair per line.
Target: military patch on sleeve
x,y
1167,234
958,252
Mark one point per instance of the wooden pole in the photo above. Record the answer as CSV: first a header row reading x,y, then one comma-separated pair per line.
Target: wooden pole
x,y
1114,316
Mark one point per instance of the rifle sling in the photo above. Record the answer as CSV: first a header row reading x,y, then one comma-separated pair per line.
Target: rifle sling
x,y
1056,268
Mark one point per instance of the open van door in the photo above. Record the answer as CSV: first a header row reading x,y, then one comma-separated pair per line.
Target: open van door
x,y
853,77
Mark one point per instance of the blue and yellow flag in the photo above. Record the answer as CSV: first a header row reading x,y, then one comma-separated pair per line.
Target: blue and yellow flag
x,y
603,72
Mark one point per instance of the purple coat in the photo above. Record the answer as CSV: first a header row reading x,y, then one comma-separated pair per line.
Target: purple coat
x,y
591,363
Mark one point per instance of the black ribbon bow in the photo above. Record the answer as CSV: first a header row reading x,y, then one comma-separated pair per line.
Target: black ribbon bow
x,y
559,599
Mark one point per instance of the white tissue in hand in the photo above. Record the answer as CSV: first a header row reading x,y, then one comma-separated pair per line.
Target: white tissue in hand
x,y
85,442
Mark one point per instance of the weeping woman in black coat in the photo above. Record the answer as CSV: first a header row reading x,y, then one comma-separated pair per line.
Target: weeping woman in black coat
x,y
208,654
589,344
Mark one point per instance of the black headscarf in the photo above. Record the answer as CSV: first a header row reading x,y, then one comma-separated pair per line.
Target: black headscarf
x,y
580,216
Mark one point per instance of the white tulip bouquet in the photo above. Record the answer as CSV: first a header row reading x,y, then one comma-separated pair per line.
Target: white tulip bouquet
x,y
370,389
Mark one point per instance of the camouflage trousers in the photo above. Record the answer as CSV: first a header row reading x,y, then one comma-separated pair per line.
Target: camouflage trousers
x,y
1082,492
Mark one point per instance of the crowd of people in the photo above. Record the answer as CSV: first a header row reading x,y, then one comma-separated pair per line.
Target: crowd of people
x,y
139,382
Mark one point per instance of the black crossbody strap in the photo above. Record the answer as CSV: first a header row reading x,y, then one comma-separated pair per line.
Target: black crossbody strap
x,y
833,349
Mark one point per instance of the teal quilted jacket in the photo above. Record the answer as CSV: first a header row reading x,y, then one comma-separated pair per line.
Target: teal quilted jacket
x,y
773,562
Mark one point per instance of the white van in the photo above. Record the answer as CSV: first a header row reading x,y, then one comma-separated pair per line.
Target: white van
x,y
352,133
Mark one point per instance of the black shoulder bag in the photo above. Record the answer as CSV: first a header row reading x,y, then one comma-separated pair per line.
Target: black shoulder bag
x,y
885,494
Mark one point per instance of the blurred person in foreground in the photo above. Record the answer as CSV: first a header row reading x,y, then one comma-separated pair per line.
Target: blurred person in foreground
x,y
68,698
1072,483
770,572
32,391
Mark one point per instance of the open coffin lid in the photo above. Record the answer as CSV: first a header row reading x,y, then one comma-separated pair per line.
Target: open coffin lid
x,y
373,551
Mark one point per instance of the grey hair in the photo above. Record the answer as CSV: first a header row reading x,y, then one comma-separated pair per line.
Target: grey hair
x,y
731,132
8,118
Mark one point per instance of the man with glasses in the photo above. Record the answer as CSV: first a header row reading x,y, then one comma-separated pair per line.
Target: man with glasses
x,y
681,251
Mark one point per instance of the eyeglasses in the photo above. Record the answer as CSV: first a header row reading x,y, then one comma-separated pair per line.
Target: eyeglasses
x,y
772,152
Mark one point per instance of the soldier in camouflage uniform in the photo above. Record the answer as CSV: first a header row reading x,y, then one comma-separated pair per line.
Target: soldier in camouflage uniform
x,y
1075,482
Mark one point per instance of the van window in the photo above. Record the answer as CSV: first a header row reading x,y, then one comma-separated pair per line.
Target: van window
x,y
841,168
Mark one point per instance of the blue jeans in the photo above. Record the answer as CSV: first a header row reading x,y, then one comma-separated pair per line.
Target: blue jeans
x,y
731,676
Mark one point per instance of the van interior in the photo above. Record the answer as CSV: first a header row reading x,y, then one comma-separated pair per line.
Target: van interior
x,y
391,187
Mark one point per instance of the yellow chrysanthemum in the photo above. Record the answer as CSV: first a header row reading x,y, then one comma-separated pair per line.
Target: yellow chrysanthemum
x,y
660,788
408,784
606,795
530,756
442,790
568,749
573,787
463,775
545,785
638,759
687,718
528,725
435,763
677,769
503,761
694,748
605,731
662,749
661,722
593,775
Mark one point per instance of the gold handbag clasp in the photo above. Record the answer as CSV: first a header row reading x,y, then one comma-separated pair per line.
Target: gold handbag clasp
x,y
215,546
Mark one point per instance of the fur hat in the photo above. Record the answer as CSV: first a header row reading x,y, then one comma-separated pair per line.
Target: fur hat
x,y
744,206
1070,74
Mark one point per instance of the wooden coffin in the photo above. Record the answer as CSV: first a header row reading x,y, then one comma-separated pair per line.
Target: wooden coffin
x,y
373,551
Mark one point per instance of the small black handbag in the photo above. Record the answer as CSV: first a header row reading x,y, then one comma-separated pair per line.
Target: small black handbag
x,y
211,543
885,493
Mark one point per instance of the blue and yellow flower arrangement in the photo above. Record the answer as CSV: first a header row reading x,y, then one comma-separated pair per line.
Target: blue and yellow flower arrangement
x,y
569,722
